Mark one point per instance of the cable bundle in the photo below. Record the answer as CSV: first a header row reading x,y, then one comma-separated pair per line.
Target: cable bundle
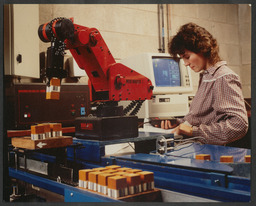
x,y
135,105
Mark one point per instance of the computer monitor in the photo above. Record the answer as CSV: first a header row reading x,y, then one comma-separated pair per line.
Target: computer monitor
x,y
172,83
167,75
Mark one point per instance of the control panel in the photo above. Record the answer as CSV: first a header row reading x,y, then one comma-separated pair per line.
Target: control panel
x,y
187,83
27,105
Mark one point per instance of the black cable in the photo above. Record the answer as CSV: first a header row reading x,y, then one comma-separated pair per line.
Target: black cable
x,y
131,146
129,107
137,108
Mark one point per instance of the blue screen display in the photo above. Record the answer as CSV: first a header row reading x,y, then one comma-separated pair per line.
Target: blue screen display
x,y
166,72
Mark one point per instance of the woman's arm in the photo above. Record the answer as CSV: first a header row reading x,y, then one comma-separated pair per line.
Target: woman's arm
x,y
231,121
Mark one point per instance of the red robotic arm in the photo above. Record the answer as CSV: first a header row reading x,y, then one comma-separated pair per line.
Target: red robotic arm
x,y
109,81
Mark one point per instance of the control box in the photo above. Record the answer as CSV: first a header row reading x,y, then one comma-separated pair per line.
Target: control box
x,y
26,104
106,128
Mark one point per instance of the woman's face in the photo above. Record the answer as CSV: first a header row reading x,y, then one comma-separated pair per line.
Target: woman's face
x,y
196,62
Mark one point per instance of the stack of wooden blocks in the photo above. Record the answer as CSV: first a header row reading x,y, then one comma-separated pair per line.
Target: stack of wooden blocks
x,y
53,90
46,130
115,181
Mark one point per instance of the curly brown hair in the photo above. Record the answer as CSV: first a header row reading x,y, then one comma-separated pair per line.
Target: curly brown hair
x,y
196,39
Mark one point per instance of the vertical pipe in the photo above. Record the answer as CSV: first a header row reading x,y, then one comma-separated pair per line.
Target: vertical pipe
x,y
159,27
168,23
163,40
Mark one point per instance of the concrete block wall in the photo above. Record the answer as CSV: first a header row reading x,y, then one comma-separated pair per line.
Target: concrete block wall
x,y
126,28
244,14
130,29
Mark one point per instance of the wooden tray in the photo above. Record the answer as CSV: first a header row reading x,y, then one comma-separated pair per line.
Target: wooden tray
x,y
148,196
54,142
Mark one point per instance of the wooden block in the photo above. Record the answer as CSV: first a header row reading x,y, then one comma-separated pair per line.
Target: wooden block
x,y
146,176
110,171
55,142
54,82
134,170
117,182
83,177
37,132
147,180
93,180
103,178
93,176
84,174
47,129
113,166
203,157
99,169
123,169
103,182
120,173
56,129
134,183
132,179
247,158
227,159
117,187
37,129
56,126
53,95
46,126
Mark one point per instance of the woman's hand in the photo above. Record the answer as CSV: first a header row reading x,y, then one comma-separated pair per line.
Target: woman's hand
x,y
183,129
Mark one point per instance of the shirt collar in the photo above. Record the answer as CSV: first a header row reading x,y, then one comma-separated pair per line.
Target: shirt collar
x,y
213,69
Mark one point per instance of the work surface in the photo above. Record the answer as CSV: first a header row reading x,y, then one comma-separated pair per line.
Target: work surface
x,y
215,151
185,157
190,150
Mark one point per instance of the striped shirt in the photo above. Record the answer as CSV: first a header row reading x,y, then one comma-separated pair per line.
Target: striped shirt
x,y
217,111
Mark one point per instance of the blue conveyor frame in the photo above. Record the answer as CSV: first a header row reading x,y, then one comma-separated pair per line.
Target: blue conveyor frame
x,y
217,185
70,193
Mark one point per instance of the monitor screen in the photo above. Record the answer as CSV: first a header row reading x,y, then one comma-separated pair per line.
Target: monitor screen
x,y
167,75
166,72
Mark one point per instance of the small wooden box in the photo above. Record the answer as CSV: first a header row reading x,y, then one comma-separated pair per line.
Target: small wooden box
x,y
203,157
227,159
54,142
247,158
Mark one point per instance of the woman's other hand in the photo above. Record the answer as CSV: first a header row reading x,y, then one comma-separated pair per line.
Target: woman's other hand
x,y
166,124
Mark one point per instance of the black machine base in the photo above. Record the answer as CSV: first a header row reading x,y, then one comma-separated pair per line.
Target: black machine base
x,y
106,128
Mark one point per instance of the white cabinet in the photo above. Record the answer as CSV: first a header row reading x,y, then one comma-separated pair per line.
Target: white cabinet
x,y
21,41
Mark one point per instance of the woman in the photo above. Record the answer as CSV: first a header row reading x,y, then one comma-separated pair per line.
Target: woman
x,y
217,112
